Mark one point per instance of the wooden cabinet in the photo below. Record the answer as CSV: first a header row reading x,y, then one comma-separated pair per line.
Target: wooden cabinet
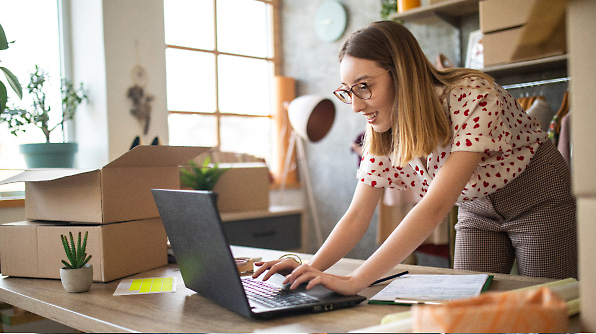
x,y
279,228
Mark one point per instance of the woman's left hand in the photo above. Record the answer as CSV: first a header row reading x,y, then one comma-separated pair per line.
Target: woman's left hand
x,y
344,285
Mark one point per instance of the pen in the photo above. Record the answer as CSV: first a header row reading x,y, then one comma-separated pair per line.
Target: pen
x,y
388,278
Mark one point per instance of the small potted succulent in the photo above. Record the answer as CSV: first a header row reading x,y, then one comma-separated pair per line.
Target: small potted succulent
x,y
77,273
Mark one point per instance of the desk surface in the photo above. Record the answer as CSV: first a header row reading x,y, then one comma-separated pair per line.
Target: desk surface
x,y
185,311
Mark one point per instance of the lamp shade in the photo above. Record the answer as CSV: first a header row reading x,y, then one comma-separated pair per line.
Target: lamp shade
x,y
311,116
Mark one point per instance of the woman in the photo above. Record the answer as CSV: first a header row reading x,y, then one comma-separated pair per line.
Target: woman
x,y
454,137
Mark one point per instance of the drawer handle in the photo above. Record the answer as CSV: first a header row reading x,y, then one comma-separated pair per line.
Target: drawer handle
x,y
264,234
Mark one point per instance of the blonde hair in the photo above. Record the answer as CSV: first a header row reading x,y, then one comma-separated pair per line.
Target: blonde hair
x,y
419,123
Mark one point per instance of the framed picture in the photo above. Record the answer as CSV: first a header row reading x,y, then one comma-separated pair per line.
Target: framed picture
x,y
475,52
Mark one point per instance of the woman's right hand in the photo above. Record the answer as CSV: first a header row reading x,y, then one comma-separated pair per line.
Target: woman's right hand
x,y
282,267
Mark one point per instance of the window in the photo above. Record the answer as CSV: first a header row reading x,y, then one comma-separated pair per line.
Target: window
x,y
34,28
220,71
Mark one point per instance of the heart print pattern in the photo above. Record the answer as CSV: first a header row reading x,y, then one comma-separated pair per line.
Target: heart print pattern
x,y
484,118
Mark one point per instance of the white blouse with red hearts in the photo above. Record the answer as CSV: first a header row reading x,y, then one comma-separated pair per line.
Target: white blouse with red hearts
x,y
484,118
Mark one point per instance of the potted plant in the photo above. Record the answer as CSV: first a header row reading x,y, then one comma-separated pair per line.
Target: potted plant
x,y
10,77
77,273
201,178
47,154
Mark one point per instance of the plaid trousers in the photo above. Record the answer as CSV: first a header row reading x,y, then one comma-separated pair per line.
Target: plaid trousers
x,y
532,219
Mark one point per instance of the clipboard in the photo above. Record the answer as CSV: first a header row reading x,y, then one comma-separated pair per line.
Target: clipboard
x,y
431,289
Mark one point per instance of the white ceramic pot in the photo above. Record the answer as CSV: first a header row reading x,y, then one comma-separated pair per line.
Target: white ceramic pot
x,y
77,280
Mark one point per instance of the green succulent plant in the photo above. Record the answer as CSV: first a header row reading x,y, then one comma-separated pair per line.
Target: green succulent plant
x,y
201,177
75,253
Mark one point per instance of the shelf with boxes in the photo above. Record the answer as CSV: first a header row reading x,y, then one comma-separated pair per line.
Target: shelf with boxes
x,y
519,36
515,31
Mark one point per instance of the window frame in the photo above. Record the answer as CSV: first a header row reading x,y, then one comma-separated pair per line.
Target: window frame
x,y
278,116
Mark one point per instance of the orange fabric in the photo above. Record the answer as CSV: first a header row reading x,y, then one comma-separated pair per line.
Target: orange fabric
x,y
514,312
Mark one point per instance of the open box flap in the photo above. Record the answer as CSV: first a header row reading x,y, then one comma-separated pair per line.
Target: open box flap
x,y
35,175
140,156
157,156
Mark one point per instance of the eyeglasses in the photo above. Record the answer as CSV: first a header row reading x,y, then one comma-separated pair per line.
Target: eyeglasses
x,y
360,89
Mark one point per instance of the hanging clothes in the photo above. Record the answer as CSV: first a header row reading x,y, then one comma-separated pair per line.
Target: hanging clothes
x,y
540,109
555,125
564,144
527,101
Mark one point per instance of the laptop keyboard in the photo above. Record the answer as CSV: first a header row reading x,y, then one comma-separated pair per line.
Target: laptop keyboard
x,y
271,295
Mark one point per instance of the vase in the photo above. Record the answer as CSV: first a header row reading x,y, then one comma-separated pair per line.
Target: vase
x,y
49,155
77,280
405,5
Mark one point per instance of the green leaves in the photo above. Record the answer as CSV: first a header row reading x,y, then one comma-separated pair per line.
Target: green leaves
x,y
201,178
76,254
13,82
39,114
3,97
10,77
3,41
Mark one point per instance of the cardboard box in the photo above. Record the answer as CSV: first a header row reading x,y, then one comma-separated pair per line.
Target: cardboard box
x,y
119,191
34,249
498,15
502,47
499,46
244,187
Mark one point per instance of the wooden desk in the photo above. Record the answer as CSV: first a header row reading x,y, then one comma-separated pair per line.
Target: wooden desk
x,y
185,311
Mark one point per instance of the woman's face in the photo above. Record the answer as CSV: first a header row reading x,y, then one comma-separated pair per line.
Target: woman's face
x,y
377,109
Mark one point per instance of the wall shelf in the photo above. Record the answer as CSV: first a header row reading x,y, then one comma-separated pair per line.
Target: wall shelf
x,y
522,67
448,10
452,10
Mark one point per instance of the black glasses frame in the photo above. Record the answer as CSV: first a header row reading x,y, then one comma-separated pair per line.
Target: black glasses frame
x,y
351,91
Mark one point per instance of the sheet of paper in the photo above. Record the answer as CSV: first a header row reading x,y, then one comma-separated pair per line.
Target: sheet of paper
x,y
138,286
432,287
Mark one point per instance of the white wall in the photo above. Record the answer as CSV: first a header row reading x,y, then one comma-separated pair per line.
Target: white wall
x,y
109,38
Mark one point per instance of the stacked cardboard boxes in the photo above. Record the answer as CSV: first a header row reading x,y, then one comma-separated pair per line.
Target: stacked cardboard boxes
x,y
521,30
113,203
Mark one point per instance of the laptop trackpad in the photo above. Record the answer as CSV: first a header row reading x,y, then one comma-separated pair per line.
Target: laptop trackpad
x,y
318,291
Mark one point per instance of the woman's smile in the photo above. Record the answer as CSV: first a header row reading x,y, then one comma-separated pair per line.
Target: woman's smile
x,y
370,117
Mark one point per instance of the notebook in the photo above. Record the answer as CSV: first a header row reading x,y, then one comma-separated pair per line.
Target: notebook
x,y
432,289
193,225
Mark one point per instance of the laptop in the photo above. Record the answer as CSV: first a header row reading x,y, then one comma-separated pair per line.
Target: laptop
x,y
194,228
